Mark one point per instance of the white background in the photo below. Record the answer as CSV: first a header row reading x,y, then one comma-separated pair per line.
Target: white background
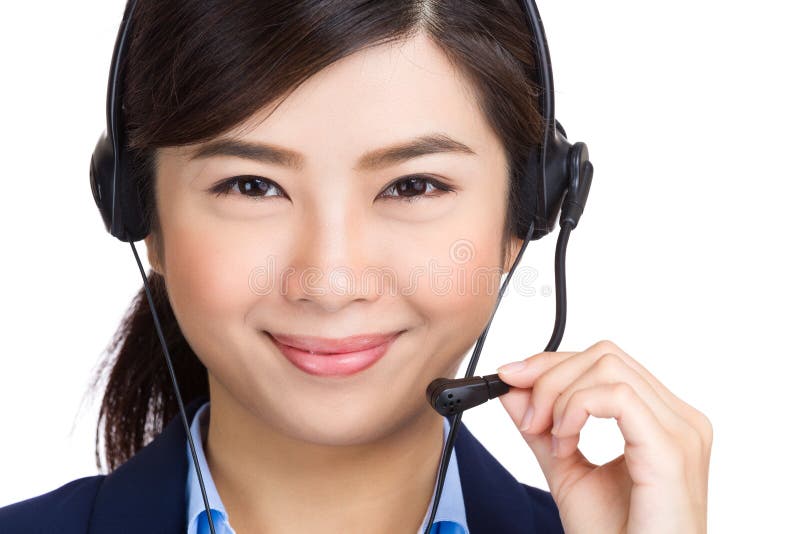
x,y
685,257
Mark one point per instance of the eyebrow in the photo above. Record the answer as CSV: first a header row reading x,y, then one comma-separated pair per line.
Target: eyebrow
x,y
372,160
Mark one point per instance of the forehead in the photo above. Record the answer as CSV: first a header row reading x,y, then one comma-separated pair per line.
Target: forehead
x,y
374,97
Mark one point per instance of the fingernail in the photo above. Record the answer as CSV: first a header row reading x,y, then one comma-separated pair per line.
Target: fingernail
x,y
512,367
526,419
554,446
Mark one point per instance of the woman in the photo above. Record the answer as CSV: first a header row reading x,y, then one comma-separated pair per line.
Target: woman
x,y
296,149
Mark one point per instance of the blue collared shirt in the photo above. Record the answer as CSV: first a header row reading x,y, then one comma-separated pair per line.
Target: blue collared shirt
x,y
450,515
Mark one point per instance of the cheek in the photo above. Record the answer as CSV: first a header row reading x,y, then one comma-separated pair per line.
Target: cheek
x,y
462,258
455,275
208,275
461,281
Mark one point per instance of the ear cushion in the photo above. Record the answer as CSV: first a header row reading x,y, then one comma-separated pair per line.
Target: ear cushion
x,y
113,184
119,200
101,178
542,195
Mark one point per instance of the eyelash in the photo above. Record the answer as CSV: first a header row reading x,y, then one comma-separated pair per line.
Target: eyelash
x,y
226,186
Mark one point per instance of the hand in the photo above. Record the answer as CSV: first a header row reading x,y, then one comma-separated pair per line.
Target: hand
x,y
660,482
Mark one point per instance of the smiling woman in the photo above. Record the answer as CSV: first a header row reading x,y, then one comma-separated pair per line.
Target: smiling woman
x,y
389,132
330,140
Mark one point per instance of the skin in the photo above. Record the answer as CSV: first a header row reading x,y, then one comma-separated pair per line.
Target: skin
x,y
293,452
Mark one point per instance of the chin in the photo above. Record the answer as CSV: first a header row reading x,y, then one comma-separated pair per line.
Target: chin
x,y
351,429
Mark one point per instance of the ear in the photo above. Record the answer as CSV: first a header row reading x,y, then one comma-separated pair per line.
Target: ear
x,y
513,247
152,244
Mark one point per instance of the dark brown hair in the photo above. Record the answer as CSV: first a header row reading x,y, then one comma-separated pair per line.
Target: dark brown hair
x,y
198,68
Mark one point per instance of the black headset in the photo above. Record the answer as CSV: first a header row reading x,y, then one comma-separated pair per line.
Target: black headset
x,y
557,177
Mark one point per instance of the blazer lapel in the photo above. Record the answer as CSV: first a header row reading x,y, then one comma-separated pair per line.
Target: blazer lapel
x,y
495,502
148,492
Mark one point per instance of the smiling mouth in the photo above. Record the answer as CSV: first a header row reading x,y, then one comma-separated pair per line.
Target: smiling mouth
x,y
314,356
321,345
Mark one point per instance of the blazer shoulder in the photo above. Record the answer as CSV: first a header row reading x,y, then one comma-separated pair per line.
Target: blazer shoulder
x,y
65,510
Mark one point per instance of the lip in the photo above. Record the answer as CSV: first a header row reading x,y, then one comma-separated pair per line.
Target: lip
x,y
324,345
333,356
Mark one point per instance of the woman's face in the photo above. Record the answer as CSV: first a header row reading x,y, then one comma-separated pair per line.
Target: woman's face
x,y
325,242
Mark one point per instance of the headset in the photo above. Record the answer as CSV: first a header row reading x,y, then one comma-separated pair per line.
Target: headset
x,y
557,178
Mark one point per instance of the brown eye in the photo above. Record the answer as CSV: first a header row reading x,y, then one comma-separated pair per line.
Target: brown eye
x,y
410,188
249,186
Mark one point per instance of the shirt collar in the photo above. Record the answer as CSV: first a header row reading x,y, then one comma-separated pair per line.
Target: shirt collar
x,y
451,504
196,509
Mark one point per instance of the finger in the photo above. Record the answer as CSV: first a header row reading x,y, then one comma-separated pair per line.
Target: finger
x,y
552,382
516,402
687,412
522,374
648,445
608,369
537,364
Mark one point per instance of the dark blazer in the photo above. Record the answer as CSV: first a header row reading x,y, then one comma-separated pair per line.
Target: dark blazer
x,y
147,494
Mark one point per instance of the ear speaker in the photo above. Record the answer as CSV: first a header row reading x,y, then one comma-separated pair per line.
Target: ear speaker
x,y
114,188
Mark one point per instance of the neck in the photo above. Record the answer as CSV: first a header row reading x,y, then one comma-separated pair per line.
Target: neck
x,y
271,482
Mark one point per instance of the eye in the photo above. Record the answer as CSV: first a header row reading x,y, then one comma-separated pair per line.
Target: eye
x,y
408,188
249,186
414,187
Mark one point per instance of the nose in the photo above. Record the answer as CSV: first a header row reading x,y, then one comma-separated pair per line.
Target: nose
x,y
334,260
